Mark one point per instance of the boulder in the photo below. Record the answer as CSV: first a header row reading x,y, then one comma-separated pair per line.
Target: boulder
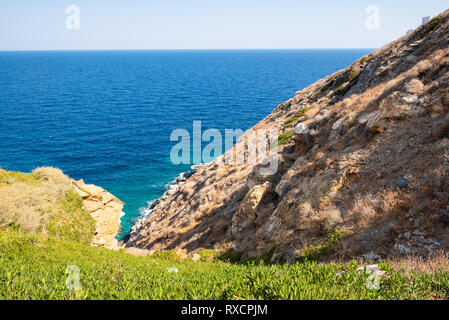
x,y
440,128
302,137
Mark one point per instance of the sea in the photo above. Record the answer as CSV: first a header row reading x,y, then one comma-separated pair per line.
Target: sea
x,y
107,116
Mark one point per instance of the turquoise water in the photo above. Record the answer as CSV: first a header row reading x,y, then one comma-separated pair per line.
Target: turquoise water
x,y
106,116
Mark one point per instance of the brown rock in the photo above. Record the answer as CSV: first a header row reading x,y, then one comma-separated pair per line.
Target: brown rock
x,y
105,209
443,218
137,252
415,86
302,137
440,128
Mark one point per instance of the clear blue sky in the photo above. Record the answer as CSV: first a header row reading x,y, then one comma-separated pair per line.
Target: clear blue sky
x,y
206,24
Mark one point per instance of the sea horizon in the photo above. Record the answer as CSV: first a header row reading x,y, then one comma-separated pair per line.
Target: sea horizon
x,y
224,49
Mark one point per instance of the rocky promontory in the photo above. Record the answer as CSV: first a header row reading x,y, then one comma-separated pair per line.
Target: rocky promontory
x,y
105,209
49,202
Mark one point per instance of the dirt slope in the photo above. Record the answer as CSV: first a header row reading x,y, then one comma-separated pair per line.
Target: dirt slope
x,y
366,171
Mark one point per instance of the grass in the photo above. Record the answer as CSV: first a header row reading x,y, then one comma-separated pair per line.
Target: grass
x,y
29,200
34,267
317,93
313,253
432,24
72,221
10,177
284,106
285,137
289,123
351,76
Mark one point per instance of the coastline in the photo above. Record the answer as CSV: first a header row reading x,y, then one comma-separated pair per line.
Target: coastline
x,y
171,188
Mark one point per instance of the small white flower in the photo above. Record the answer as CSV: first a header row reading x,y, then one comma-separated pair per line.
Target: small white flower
x,y
172,269
373,282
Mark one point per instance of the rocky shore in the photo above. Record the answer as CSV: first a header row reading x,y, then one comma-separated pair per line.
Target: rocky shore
x,y
146,212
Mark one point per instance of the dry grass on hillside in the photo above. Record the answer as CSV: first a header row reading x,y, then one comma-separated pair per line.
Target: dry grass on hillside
x,y
28,199
430,265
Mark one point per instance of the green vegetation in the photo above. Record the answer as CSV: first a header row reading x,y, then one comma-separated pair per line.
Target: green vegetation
x,y
289,123
42,200
433,24
72,221
430,26
371,57
317,93
344,83
207,254
10,177
353,75
34,267
273,178
284,105
314,253
284,138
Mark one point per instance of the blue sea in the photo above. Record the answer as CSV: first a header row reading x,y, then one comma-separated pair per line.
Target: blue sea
x,y
106,116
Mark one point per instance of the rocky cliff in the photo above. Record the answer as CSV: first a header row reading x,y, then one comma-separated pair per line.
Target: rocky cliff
x,y
105,209
363,168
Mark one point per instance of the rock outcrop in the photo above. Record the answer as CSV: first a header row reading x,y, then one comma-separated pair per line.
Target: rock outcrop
x,y
105,209
368,158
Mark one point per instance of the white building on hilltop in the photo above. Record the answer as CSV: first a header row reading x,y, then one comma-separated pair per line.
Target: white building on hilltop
x,y
426,19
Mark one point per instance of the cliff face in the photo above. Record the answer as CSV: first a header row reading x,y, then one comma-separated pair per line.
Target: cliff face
x,y
364,172
105,209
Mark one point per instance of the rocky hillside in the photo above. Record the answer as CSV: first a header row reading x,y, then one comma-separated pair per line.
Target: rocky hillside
x,y
363,168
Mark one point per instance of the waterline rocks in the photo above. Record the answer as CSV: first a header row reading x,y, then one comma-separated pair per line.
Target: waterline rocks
x,y
146,212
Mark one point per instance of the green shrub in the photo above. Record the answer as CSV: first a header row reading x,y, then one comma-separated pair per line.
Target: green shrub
x,y
231,256
170,255
285,137
345,82
313,253
207,254
430,26
284,106
433,23
289,123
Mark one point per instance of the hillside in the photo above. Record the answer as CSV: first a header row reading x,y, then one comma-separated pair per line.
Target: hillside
x,y
363,169
48,202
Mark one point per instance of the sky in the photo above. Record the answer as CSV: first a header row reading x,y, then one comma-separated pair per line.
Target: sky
x,y
208,24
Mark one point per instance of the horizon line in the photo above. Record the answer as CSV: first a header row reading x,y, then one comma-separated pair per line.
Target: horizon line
x,y
229,49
